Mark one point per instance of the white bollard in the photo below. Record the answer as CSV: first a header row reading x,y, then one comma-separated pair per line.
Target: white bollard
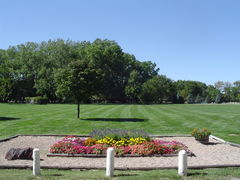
x,y
110,162
182,163
36,162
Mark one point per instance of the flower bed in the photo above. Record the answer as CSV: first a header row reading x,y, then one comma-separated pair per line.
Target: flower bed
x,y
132,146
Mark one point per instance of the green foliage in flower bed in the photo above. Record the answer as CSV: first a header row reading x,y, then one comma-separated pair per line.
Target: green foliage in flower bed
x,y
74,145
118,134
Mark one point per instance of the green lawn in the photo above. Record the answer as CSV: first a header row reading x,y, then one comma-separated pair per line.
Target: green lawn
x,y
204,174
223,120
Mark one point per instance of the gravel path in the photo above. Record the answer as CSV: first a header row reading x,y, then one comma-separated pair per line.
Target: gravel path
x,y
215,154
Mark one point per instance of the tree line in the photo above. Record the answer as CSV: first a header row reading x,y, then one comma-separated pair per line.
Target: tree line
x,y
96,72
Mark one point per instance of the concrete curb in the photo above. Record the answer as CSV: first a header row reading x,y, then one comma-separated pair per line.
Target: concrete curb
x,y
104,155
223,141
8,138
84,135
233,144
57,135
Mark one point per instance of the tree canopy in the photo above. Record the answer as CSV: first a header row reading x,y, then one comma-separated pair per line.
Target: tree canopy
x,y
99,71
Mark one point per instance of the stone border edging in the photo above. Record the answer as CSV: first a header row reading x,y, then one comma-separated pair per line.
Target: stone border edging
x,y
8,138
233,144
177,135
223,141
57,135
104,155
81,135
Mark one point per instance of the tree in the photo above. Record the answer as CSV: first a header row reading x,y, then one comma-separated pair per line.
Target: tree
x,y
195,88
179,99
218,98
33,68
198,99
45,83
79,81
237,84
156,90
235,91
212,93
52,55
207,100
190,99
108,56
219,85
6,85
133,87
6,81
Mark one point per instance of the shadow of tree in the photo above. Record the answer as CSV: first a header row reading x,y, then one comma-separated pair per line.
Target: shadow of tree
x,y
197,174
8,118
56,175
119,175
116,119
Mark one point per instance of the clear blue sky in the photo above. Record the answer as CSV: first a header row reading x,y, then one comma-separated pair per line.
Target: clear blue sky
x,y
187,39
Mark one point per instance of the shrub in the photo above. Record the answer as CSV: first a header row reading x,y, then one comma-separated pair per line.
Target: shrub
x,y
36,100
29,100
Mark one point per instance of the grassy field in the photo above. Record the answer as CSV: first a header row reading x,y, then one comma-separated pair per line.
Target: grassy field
x,y
210,174
223,120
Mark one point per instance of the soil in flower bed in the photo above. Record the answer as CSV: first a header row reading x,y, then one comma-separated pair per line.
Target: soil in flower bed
x,y
71,146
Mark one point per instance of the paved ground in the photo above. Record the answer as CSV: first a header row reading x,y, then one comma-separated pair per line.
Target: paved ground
x,y
214,154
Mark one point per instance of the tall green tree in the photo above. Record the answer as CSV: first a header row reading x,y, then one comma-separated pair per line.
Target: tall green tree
x,y
6,83
156,90
219,85
108,56
79,80
237,84
133,87
212,93
190,89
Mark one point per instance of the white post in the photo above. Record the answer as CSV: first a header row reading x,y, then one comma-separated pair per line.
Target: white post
x,y
110,162
182,163
36,162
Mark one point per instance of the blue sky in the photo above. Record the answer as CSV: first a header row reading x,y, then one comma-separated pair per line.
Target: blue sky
x,y
187,39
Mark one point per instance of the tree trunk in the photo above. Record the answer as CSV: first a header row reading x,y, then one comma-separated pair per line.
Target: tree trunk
x,y
78,110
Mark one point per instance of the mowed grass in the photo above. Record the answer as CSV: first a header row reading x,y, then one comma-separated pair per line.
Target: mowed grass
x,y
206,174
222,120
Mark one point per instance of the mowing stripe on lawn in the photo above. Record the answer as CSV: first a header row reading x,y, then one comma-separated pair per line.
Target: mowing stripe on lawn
x,y
223,120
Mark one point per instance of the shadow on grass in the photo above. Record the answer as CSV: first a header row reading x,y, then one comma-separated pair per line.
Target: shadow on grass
x,y
55,175
119,175
8,118
116,119
197,174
